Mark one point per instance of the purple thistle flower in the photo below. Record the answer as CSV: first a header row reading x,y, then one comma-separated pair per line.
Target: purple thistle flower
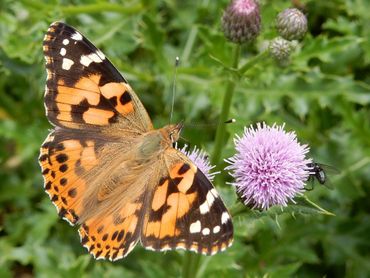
x,y
241,21
200,159
270,166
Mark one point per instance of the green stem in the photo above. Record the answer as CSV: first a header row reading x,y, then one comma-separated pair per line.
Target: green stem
x,y
186,267
253,61
190,265
323,211
191,260
189,44
221,128
353,168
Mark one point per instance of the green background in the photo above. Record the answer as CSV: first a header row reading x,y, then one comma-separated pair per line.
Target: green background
x,y
323,94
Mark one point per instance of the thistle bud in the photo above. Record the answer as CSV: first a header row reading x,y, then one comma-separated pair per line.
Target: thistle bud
x,y
280,49
291,24
241,21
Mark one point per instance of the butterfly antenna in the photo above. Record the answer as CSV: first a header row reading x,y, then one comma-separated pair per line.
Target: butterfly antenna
x,y
198,125
177,61
184,139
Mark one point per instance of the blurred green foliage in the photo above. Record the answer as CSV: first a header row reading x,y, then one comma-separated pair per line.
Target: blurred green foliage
x,y
324,95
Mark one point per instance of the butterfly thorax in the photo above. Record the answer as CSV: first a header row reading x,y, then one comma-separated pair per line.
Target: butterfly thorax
x,y
159,140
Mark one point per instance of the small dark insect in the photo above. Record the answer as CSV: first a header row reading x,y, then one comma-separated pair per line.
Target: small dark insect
x,y
320,172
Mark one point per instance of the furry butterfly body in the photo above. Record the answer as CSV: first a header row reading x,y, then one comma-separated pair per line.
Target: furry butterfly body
x,y
107,170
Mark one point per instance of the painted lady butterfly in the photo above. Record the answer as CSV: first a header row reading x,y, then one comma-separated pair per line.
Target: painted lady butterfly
x,y
109,171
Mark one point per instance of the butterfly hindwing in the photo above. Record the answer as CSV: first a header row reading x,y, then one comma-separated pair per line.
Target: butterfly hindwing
x,y
186,211
113,236
65,158
83,88
86,183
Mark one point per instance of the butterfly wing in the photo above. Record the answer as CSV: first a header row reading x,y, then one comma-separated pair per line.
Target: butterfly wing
x,y
93,181
185,211
113,235
83,88
64,158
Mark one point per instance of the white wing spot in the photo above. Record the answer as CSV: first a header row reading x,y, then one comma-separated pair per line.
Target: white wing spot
x,y
214,192
195,227
150,248
76,36
86,60
206,231
204,208
181,247
210,198
63,51
216,229
100,54
67,63
224,217
66,41
167,248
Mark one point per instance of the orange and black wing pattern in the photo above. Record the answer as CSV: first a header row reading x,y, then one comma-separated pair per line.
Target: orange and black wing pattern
x,y
186,212
64,158
83,88
112,236
89,162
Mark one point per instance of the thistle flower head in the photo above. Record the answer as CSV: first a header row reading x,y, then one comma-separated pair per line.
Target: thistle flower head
x,y
241,21
291,24
269,167
200,160
280,49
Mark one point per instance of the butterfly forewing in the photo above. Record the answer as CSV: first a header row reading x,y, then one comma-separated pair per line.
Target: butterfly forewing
x,y
83,88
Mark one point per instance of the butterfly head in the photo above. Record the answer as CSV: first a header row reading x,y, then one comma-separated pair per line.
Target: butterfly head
x,y
172,132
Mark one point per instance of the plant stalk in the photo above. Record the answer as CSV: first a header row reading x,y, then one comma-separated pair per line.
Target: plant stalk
x,y
191,260
221,127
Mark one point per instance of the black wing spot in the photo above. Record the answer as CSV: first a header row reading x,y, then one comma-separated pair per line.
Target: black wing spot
x,y
125,98
63,181
61,158
48,185
184,168
63,168
72,192
43,157
46,171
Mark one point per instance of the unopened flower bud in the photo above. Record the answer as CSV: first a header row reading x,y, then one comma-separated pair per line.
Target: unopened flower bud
x,y
241,21
291,24
280,49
